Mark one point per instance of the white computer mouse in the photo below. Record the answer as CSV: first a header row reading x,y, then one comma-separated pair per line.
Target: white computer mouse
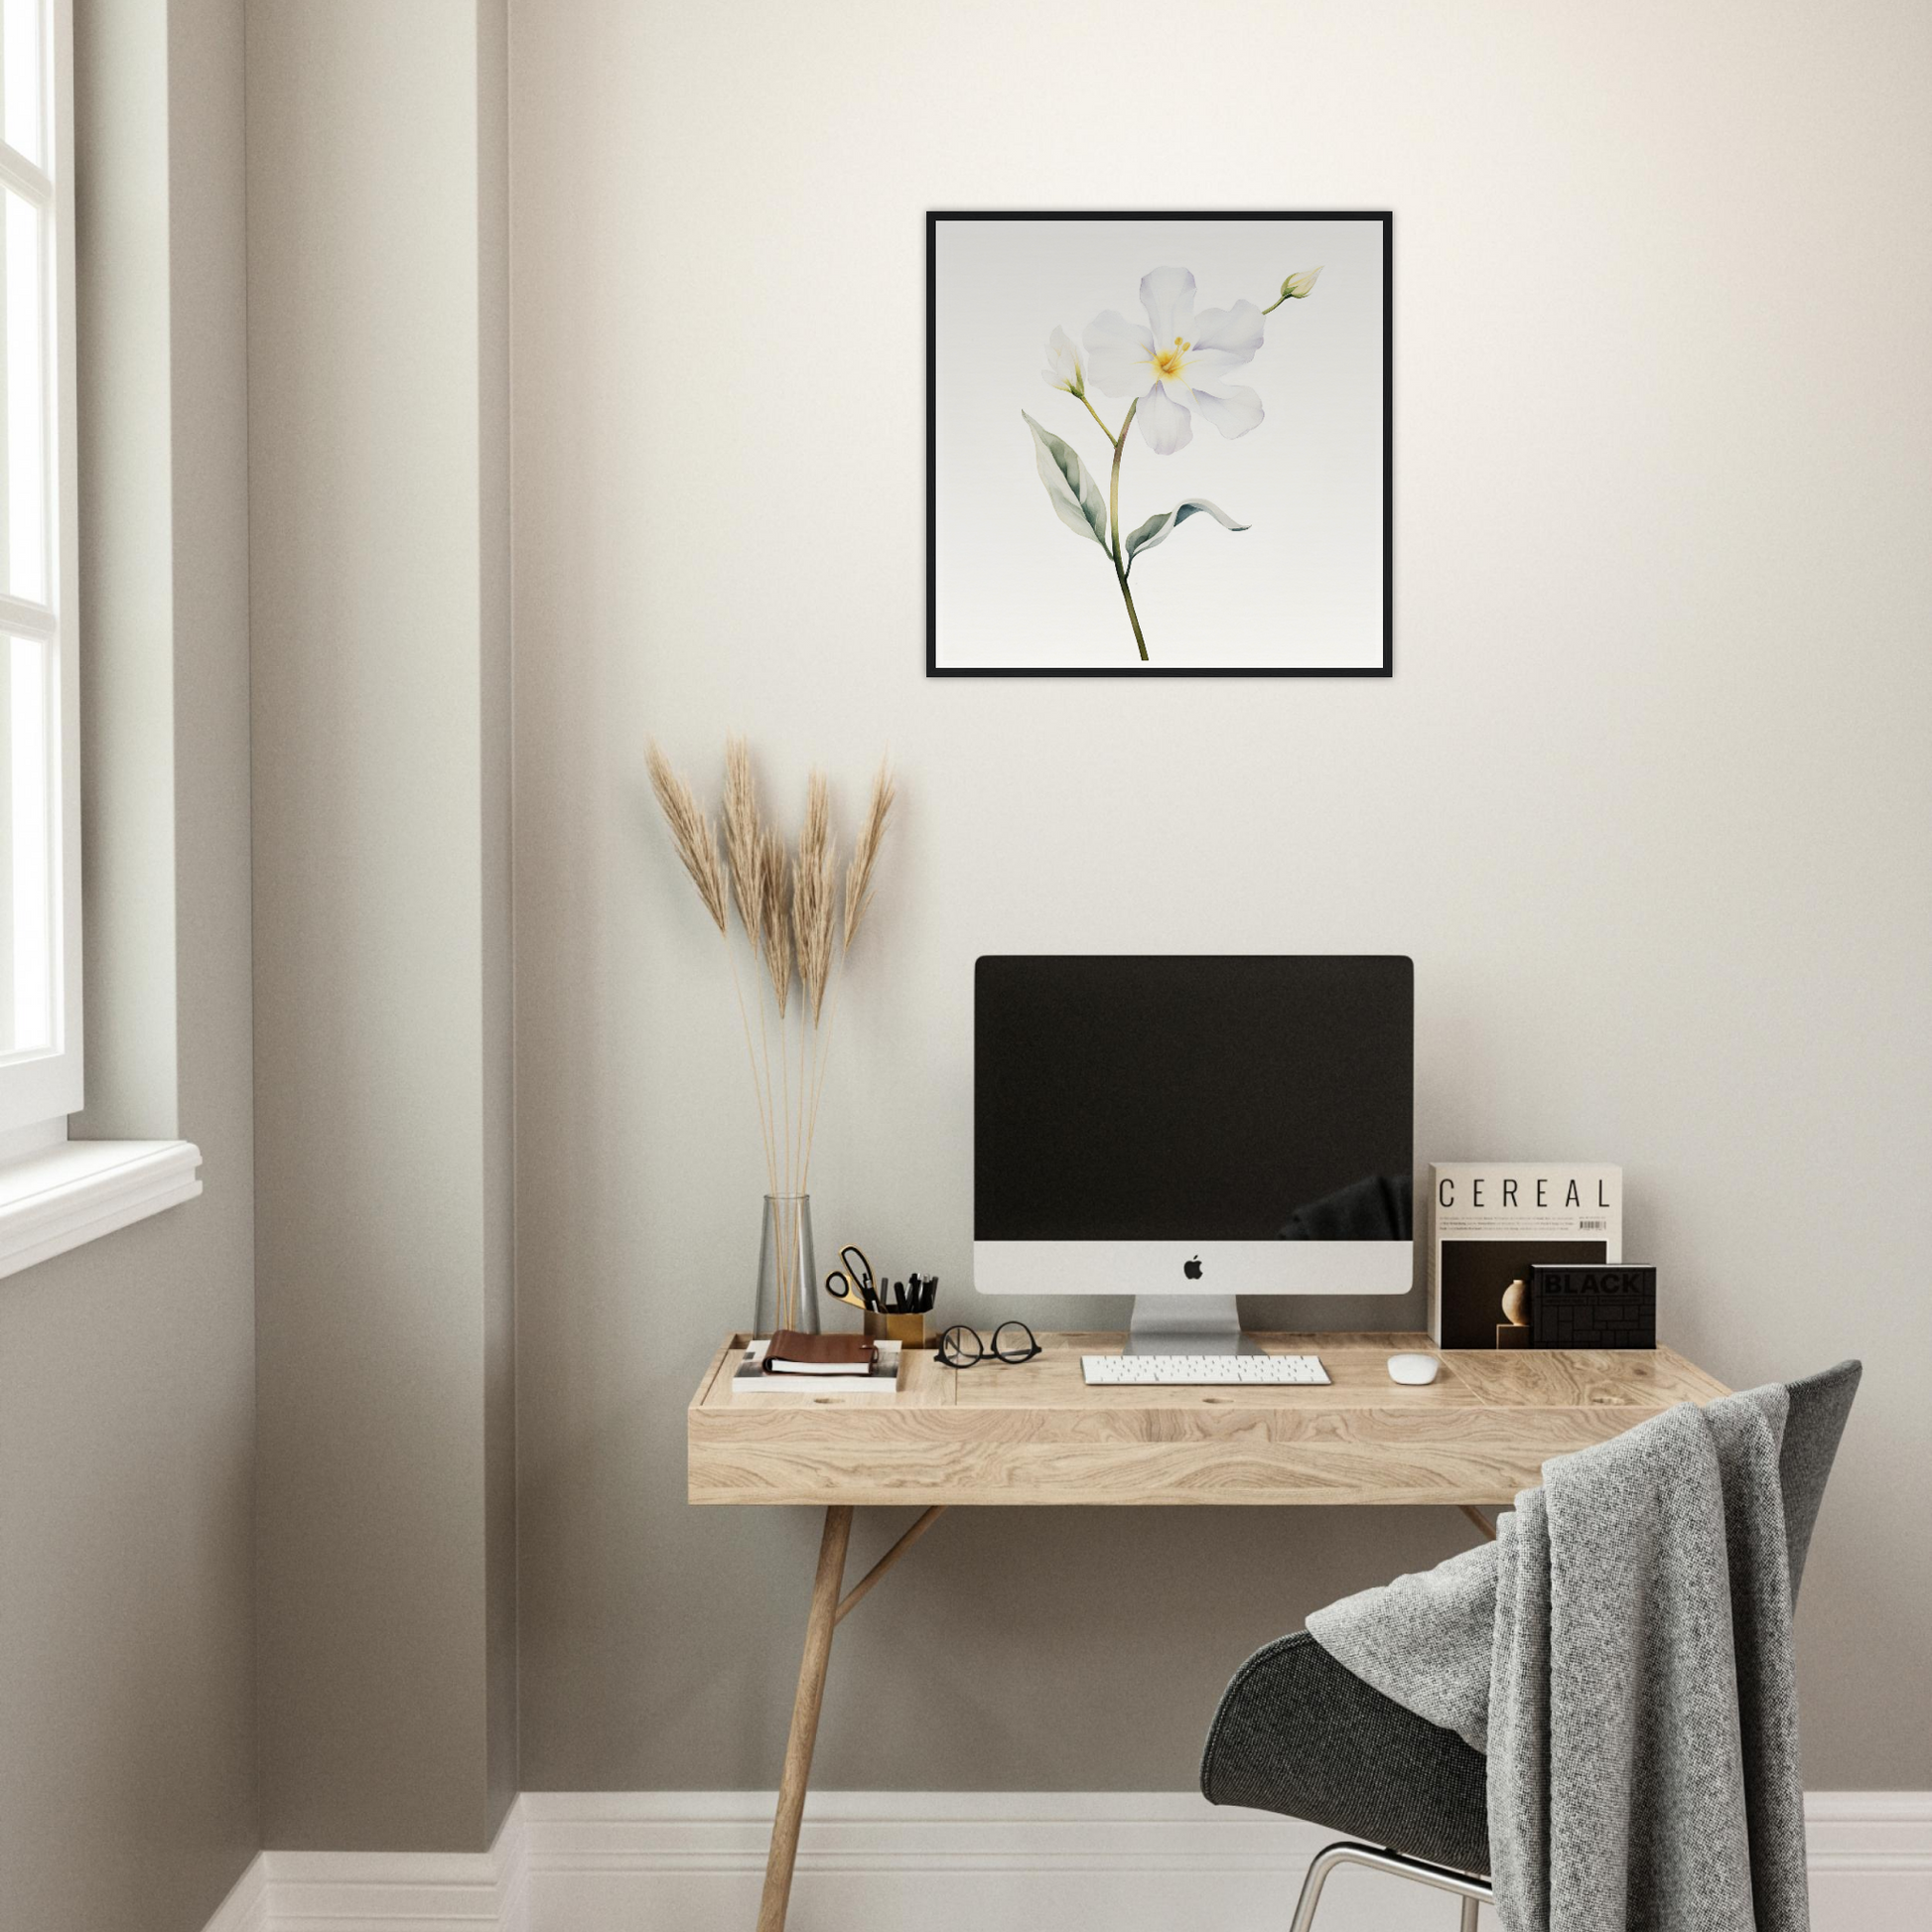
x,y
1415,1369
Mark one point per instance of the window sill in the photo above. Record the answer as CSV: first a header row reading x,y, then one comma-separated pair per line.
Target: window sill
x,y
78,1191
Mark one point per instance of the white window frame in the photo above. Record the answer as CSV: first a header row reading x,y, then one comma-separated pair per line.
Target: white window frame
x,y
39,1089
57,1193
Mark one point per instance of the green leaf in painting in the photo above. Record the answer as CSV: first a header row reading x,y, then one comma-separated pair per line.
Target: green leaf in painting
x,y
1074,495
1157,529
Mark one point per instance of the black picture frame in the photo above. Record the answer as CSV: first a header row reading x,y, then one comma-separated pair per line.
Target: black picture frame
x,y
934,216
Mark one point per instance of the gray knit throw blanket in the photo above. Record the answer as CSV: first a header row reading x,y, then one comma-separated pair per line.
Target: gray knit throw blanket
x,y
1622,1652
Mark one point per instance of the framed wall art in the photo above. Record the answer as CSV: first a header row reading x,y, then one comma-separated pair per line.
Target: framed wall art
x,y
1158,445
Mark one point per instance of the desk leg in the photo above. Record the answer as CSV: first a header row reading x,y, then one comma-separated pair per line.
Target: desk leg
x,y
804,1719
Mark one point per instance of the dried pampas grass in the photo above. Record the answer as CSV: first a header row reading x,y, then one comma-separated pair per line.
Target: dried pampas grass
x,y
814,896
787,908
691,833
775,917
743,846
865,851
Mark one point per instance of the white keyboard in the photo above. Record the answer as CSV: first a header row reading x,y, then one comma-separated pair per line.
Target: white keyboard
x,y
1202,1371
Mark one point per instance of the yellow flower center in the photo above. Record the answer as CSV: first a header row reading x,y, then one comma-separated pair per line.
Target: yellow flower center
x,y
1170,361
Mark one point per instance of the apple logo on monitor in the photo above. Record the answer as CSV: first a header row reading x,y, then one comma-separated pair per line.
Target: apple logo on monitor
x,y
1191,1269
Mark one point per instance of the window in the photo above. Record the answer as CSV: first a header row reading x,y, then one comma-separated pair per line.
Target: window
x,y
55,1194
40,845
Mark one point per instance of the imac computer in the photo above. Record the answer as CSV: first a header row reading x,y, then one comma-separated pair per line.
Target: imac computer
x,y
1184,1130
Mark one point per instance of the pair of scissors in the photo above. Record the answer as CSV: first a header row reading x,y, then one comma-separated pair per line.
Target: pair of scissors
x,y
852,1280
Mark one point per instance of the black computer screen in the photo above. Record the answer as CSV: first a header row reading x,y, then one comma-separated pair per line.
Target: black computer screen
x,y
1220,1099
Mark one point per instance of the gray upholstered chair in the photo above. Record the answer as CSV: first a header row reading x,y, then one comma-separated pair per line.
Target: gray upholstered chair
x,y
1299,1733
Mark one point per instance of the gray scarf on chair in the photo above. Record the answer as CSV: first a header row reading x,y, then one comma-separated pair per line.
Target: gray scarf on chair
x,y
1622,1652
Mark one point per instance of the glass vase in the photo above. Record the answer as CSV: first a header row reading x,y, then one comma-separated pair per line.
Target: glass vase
x,y
788,1270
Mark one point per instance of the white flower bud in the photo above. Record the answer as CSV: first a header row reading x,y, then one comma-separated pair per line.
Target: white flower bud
x,y
1064,369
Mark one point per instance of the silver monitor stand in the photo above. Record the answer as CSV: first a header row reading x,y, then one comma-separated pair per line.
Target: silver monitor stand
x,y
1186,1325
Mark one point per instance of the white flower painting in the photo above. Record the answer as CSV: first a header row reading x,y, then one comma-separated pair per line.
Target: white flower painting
x,y
1175,368
1197,379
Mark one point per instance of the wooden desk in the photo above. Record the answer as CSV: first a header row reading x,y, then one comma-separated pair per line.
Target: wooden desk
x,y
1033,1434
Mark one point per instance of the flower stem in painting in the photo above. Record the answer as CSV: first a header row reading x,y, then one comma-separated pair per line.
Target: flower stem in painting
x,y
1113,510
1096,414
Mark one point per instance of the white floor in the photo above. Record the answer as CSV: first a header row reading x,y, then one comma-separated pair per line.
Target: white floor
x,y
958,1861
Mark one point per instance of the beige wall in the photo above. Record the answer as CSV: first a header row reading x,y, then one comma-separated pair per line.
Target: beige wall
x,y
127,1774
378,507
1647,799
494,865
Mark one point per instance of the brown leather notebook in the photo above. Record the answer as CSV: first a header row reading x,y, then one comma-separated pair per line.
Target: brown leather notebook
x,y
793,1353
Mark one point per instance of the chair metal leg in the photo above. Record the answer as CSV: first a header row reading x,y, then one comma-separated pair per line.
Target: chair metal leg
x,y
1472,1891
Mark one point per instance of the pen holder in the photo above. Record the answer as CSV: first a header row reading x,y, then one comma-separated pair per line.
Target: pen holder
x,y
906,1328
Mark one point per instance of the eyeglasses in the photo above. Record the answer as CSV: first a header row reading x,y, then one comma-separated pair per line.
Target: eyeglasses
x,y
1013,1341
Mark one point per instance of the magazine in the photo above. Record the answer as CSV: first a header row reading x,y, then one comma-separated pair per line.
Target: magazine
x,y
1489,1221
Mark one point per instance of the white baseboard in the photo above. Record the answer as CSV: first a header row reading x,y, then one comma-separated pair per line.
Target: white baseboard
x,y
954,1862
245,1909
384,1892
